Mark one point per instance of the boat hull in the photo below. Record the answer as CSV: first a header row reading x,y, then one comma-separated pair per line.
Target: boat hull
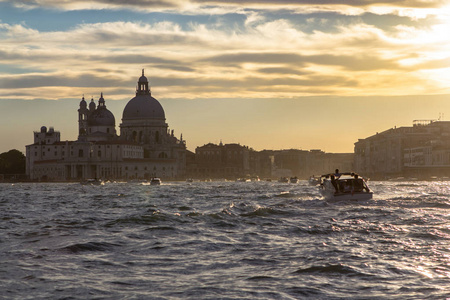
x,y
360,196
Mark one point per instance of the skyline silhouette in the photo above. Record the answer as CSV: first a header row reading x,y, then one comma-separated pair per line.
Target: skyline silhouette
x,y
278,75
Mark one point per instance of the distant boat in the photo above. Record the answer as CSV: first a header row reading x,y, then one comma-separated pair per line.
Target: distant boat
x,y
314,180
155,181
283,180
294,180
243,180
92,182
348,186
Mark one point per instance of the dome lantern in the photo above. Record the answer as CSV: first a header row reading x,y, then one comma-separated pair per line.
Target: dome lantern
x,y
142,88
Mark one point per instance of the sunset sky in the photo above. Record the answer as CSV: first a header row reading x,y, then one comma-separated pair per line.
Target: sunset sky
x,y
266,74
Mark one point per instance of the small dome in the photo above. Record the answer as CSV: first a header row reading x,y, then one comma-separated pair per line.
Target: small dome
x,y
92,105
143,107
101,117
83,103
43,129
143,79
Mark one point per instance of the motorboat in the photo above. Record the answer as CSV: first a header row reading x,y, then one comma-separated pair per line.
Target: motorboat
x,y
314,180
347,186
283,180
155,181
243,180
294,180
92,182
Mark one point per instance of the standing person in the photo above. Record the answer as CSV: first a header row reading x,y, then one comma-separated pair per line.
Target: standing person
x,y
334,183
337,174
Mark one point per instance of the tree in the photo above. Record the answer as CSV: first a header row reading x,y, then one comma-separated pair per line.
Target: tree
x,y
12,162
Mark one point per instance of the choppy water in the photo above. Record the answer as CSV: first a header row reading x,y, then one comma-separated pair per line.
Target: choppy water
x,y
223,240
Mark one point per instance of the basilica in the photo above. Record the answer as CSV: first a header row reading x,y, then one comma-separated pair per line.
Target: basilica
x,y
145,148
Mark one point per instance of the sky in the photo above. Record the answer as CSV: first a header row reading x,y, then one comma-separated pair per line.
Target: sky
x,y
283,74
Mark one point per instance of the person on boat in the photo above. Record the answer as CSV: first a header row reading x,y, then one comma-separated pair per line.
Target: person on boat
x,y
358,184
337,174
348,187
334,183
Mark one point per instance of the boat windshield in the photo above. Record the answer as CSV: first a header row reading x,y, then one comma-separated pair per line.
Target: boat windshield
x,y
352,185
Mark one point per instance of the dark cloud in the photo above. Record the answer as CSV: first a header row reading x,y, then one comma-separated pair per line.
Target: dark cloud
x,y
107,37
115,3
282,71
354,63
45,80
167,4
357,3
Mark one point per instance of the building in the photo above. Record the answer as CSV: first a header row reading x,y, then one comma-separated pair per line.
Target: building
x,y
228,161
417,151
145,148
304,163
232,161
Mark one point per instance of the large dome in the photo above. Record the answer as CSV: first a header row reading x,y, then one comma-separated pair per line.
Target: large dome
x,y
143,106
101,117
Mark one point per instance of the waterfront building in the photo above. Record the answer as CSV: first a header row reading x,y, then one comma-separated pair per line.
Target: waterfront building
x,y
232,161
418,151
146,147
228,161
304,163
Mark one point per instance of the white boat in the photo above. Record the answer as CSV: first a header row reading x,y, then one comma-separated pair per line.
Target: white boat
x,y
314,180
155,181
92,182
348,186
243,180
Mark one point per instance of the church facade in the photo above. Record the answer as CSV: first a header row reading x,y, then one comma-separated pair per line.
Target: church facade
x,y
145,148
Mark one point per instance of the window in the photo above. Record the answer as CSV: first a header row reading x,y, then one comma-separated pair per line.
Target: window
x,y
80,153
99,153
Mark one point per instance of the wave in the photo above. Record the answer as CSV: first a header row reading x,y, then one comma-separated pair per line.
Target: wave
x,y
89,246
330,269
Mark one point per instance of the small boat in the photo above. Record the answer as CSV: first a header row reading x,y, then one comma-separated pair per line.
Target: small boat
x,y
92,182
348,186
314,180
155,181
283,180
243,180
294,180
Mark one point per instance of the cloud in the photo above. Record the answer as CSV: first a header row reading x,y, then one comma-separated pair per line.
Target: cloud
x,y
271,53
190,4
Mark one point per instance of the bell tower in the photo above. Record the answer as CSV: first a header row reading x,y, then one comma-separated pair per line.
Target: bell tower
x,y
82,118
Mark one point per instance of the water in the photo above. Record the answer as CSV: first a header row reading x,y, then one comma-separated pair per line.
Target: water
x,y
223,240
